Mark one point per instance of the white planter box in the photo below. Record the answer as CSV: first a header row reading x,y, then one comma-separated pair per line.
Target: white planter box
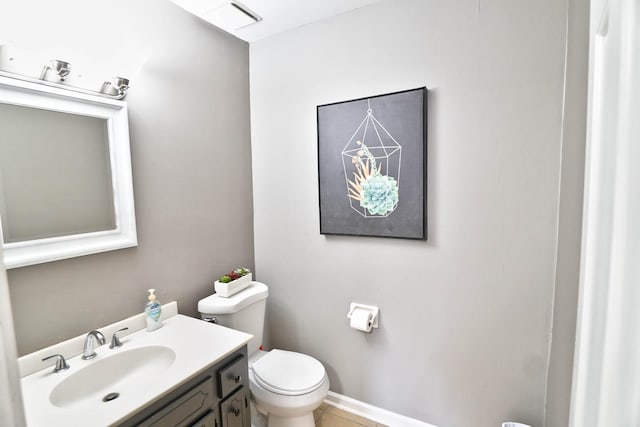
x,y
225,290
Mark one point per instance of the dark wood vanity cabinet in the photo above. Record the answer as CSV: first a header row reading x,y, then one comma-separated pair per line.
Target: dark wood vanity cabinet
x,y
217,397
233,391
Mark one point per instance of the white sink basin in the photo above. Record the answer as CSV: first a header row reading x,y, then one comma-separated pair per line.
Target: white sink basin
x,y
120,373
147,367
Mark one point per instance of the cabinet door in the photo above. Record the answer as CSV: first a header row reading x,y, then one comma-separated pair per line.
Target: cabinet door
x,y
185,409
234,410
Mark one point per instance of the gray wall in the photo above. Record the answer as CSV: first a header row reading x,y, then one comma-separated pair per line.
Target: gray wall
x,y
466,316
189,122
570,224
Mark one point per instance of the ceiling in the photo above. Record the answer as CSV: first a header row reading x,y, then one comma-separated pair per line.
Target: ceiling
x,y
277,15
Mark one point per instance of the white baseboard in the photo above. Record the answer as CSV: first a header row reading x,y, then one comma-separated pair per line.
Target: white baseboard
x,y
371,412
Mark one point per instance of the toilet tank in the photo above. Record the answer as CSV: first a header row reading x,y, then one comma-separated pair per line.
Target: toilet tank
x,y
243,311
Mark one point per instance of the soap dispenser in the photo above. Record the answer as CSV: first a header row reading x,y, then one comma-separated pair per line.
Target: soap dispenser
x,y
153,312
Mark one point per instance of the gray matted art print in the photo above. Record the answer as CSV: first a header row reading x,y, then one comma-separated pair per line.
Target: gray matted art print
x,y
372,161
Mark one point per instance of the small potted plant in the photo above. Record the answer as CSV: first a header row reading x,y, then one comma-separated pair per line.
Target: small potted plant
x,y
232,283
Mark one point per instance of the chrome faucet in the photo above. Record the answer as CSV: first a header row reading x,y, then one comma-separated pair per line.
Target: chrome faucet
x,y
89,344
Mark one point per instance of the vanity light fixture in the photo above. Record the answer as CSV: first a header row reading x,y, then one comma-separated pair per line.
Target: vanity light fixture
x,y
61,68
116,88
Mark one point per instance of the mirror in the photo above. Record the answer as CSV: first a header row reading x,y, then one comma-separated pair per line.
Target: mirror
x,y
65,174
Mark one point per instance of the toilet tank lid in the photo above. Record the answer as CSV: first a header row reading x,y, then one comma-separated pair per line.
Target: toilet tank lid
x,y
215,304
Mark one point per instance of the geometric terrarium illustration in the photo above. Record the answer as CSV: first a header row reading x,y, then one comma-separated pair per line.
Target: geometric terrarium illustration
x,y
371,161
372,165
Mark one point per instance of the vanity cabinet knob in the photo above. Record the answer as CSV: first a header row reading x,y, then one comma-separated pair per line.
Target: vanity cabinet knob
x,y
235,411
236,378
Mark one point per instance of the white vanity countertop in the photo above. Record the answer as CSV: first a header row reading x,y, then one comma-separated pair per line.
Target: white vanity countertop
x,y
196,344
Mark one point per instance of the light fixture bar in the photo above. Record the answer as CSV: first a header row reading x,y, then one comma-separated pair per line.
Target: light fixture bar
x,y
29,79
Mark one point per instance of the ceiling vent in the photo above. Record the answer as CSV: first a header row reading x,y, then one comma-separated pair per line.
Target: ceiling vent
x,y
232,16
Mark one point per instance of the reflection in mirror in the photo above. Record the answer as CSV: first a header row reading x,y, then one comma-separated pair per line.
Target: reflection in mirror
x,y
55,178
65,174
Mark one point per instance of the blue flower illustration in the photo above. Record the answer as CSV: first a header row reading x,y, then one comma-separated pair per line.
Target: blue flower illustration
x,y
379,194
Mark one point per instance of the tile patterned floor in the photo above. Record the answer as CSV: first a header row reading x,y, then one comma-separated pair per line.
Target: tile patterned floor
x,y
329,416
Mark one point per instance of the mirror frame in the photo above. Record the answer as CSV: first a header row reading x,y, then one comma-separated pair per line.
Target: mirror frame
x,y
29,252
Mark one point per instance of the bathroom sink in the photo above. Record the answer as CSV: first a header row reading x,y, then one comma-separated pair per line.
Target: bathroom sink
x,y
112,377
119,383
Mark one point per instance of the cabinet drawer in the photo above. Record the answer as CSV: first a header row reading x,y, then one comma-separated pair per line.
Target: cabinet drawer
x,y
234,410
231,376
185,409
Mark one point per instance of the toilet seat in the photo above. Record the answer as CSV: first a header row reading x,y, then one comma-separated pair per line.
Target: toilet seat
x,y
288,373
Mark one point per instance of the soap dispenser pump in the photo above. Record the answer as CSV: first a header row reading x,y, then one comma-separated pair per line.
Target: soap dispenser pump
x,y
153,312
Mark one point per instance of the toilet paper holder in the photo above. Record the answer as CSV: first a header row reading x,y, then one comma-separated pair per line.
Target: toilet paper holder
x,y
371,308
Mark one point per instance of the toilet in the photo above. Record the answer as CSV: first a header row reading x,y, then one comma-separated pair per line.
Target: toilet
x,y
285,386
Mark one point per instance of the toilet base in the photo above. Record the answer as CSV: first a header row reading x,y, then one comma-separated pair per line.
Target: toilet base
x,y
258,419
305,420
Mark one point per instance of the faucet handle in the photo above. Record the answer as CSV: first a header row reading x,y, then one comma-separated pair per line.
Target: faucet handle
x,y
115,341
61,364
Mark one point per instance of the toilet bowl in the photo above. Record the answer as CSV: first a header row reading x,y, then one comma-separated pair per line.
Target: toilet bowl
x,y
285,386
